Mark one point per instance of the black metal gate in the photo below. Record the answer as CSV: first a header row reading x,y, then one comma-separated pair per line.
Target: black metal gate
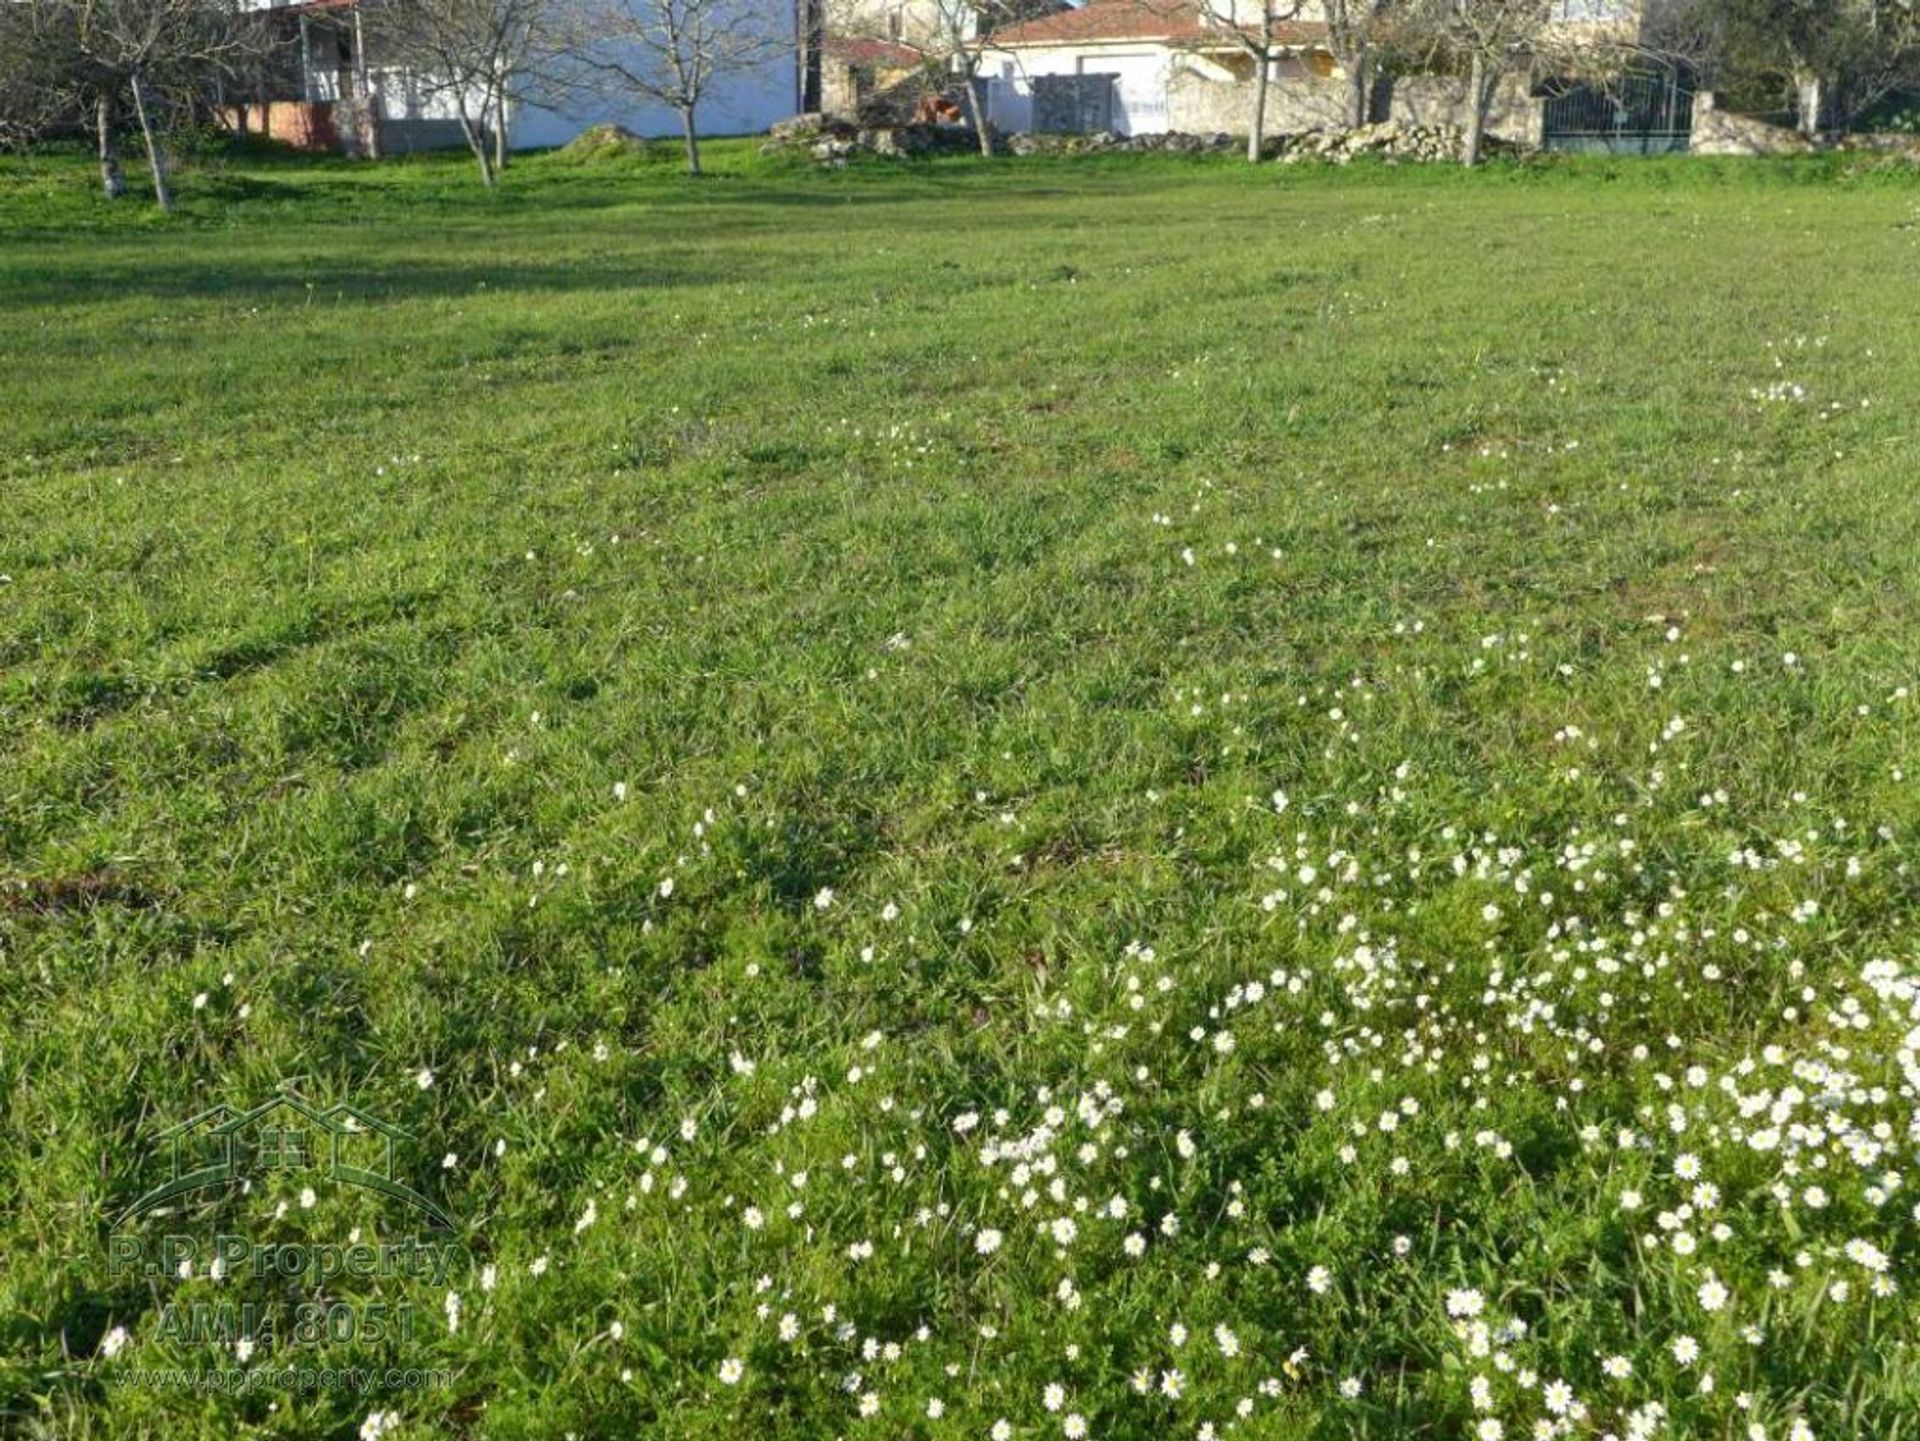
x,y
1073,104
1642,112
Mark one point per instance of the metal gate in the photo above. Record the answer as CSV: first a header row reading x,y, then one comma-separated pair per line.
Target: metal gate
x,y
1642,112
1073,104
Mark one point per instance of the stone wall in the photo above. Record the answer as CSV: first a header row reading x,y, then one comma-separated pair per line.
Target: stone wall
x,y
1300,101
842,87
1517,114
876,94
1721,132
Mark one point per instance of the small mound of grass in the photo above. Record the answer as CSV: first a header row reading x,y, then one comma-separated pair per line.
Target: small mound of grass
x,y
602,143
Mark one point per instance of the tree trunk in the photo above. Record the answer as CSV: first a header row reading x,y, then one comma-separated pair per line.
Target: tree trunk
x,y
111,180
373,143
1810,96
370,144
1257,132
156,154
501,149
1359,89
306,58
690,132
981,133
476,138
1479,101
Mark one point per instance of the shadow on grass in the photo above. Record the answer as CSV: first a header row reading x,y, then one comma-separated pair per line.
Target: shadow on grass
x,y
330,281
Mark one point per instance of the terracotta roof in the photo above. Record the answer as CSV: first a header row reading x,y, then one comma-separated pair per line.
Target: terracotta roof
x,y
1171,21
890,53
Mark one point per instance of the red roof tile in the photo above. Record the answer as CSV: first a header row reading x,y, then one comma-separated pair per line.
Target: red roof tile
x,y
1172,21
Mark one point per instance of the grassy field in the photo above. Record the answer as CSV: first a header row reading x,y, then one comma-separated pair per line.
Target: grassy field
x,y
1118,798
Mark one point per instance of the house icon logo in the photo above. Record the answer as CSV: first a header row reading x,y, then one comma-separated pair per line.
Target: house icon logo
x,y
282,1136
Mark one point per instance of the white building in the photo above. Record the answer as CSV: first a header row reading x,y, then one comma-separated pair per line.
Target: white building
x,y
316,107
1138,67
742,103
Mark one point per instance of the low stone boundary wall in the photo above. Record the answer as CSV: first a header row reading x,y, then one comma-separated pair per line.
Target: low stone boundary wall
x,y
1302,102
1721,132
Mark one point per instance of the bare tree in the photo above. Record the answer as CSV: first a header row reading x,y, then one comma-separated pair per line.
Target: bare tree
x,y
959,35
1254,27
266,63
100,62
164,54
1486,40
482,57
674,52
41,86
1353,39
954,36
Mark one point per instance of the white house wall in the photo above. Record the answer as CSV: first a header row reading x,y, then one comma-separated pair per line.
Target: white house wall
x,y
403,94
739,104
1140,92
742,104
1198,97
1143,70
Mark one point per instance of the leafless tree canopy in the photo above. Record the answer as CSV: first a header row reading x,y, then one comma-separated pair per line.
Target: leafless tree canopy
x,y
1354,33
108,63
953,35
41,82
675,52
481,57
1253,28
1485,41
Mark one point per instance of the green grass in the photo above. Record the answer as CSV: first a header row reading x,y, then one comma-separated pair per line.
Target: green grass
x,y
949,564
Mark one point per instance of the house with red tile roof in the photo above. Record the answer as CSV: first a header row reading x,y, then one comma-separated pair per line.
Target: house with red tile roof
x,y
1144,66
878,57
1137,67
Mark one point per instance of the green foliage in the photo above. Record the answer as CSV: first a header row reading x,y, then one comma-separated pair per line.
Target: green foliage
x,y
1859,50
